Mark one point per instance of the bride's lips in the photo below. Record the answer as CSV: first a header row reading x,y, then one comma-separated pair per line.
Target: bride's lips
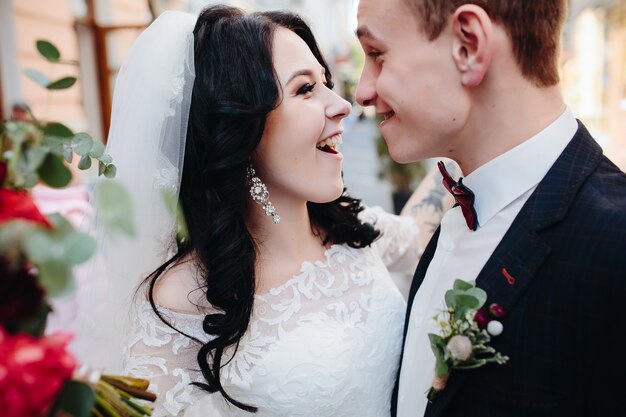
x,y
330,145
387,117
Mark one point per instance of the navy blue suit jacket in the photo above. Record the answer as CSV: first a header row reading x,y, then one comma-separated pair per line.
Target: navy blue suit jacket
x,y
565,326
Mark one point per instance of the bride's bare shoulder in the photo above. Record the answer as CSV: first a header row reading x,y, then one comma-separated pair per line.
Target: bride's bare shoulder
x,y
180,289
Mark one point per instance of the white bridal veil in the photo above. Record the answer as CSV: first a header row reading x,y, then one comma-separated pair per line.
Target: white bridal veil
x,y
147,142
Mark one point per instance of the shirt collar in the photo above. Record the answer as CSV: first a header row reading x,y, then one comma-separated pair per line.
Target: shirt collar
x,y
523,167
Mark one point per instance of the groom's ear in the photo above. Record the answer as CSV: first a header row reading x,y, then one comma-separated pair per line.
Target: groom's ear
x,y
473,43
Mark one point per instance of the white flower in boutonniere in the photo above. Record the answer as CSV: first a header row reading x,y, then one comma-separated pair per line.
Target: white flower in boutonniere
x,y
466,329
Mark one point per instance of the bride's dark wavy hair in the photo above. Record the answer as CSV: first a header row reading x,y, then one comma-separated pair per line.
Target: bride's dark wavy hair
x,y
235,88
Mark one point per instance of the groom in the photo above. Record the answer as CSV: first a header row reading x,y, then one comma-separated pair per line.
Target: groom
x,y
477,81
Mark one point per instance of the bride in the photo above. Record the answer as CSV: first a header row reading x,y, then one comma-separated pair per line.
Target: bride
x,y
278,301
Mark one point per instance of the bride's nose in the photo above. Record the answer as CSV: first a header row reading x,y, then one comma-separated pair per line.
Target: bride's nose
x,y
338,107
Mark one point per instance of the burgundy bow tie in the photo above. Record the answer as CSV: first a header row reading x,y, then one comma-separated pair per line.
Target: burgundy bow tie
x,y
462,195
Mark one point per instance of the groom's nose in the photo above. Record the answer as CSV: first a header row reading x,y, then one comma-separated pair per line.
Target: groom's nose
x,y
366,89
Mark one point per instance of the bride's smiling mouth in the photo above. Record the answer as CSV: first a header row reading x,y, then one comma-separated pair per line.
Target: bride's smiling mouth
x,y
330,144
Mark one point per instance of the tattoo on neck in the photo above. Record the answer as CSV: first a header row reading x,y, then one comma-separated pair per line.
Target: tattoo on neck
x,y
434,199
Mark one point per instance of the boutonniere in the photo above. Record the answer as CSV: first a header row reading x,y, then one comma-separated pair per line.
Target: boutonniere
x,y
466,331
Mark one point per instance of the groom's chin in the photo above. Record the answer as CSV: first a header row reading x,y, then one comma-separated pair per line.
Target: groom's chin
x,y
404,150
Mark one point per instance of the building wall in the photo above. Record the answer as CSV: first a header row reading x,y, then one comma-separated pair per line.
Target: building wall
x,y
616,89
594,71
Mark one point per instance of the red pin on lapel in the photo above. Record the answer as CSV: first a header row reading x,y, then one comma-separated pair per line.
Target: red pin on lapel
x,y
509,278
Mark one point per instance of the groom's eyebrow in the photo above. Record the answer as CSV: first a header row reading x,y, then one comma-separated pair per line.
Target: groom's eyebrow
x,y
364,32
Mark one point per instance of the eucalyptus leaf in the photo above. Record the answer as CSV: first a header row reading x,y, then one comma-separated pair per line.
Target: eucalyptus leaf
x,y
13,233
55,278
435,339
82,143
110,171
450,297
106,158
17,131
101,168
466,302
58,129
76,399
54,172
54,144
85,162
437,345
479,294
37,77
62,84
34,157
114,206
48,50
30,180
68,155
459,284
25,179
441,368
63,244
97,149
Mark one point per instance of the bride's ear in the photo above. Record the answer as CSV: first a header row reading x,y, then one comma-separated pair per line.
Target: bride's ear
x,y
473,43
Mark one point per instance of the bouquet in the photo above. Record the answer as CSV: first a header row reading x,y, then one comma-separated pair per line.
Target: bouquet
x,y
38,376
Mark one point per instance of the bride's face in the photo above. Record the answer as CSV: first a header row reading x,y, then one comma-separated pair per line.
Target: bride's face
x,y
298,156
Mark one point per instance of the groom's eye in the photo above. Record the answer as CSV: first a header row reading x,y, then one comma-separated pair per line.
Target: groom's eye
x,y
376,56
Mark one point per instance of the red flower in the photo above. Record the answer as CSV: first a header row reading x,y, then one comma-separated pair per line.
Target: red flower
x,y
482,318
21,296
3,171
32,372
16,205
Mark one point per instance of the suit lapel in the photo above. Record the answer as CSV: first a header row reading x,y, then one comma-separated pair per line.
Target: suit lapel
x,y
521,252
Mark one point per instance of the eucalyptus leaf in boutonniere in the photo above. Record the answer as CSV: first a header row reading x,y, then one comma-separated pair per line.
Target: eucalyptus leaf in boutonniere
x,y
466,330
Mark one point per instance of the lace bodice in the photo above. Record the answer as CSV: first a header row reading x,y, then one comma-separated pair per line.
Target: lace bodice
x,y
325,343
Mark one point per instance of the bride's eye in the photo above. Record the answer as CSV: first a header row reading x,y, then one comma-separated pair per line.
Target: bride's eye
x,y
305,89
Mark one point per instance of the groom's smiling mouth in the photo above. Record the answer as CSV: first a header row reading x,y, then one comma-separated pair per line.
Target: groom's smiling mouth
x,y
386,117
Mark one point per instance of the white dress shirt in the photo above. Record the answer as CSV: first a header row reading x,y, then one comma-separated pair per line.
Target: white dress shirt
x,y
501,188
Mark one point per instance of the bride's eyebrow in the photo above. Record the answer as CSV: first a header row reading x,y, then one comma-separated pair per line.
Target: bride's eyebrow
x,y
306,72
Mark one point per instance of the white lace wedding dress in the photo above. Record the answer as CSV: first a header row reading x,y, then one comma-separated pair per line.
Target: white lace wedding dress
x,y
325,343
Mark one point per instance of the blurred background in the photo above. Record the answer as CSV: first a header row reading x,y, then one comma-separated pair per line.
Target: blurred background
x,y
95,35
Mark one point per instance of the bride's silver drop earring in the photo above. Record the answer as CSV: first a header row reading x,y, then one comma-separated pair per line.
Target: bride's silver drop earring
x,y
260,195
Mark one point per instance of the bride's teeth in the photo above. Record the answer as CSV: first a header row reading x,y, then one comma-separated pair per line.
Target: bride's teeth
x,y
331,142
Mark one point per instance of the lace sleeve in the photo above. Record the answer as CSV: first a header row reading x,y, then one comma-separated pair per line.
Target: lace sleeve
x,y
167,358
398,245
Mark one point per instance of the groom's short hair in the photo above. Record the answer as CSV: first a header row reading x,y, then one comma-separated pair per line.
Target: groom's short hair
x,y
534,27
